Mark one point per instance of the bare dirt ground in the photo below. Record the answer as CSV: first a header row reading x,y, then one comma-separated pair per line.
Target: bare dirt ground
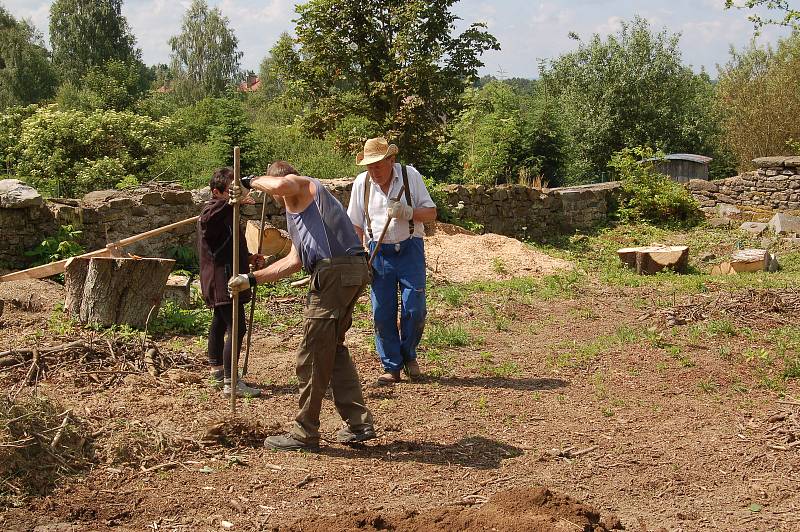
x,y
585,408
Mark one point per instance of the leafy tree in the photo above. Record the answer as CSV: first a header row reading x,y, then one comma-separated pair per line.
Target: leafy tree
x,y
629,90
70,152
395,63
205,59
89,33
786,15
115,85
504,135
209,129
26,75
757,91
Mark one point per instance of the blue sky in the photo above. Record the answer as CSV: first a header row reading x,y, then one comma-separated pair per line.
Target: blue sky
x,y
527,30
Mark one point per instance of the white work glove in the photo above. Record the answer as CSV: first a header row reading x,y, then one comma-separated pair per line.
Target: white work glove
x,y
240,283
234,194
401,211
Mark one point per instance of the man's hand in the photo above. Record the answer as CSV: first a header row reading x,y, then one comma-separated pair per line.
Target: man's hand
x,y
258,261
401,211
241,282
234,194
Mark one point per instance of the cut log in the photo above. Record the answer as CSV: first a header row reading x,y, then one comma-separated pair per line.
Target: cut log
x,y
275,242
648,260
747,260
107,291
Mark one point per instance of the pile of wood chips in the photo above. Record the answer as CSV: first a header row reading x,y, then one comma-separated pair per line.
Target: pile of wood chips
x,y
456,255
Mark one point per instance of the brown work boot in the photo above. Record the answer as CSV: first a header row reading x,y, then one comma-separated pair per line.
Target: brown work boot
x,y
412,369
389,377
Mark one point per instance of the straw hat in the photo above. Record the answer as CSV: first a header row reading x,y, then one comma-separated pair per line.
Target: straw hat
x,y
375,150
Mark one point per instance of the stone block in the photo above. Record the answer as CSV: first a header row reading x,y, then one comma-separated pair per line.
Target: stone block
x,y
139,210
720,222
178,290
754,228
785,224
152,198
771,172
702,184
121,203
177,197
726,210
14,194
769,162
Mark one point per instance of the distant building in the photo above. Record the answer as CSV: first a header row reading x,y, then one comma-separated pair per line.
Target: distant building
x,y
251,84
683,166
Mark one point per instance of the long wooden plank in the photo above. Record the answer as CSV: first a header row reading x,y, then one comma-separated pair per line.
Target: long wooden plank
x,y
53,268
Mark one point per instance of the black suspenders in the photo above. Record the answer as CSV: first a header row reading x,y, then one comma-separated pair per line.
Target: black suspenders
x,y
367,181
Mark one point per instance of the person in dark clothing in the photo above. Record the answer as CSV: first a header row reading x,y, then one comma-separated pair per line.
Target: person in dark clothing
x,y
325,244
215,249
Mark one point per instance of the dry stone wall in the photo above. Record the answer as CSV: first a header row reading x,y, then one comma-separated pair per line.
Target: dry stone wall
x,y
108,216
774,185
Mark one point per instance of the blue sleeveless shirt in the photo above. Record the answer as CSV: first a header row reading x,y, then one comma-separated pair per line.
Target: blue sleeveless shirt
x,y
323,230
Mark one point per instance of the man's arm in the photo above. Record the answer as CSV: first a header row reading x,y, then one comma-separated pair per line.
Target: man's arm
x,y
424,214
279,269
289,185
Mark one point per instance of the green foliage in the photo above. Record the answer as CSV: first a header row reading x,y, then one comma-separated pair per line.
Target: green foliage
x,y
208,131
438,335
172,319
649,196
115,85
395,63
786,15
630,89
63,245
69,152
11,120
26,75
281,138
89,33
205,59
756,87
502,135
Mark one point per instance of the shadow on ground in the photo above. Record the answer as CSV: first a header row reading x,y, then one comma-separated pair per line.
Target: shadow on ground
x,y
473,451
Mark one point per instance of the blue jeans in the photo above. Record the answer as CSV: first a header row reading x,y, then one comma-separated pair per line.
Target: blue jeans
x,y
403,268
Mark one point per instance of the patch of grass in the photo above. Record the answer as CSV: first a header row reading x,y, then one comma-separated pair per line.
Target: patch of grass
x,y
172,319
452,295
708,386
501,322
438,335
721,327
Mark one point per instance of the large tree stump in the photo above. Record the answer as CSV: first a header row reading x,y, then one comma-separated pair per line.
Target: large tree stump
x,y
648,260
115,291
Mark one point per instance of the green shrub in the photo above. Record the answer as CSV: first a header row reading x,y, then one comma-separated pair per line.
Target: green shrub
x,y
649,196
54,248
69,152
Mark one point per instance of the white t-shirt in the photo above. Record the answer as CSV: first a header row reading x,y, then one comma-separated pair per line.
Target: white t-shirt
x,y
379,203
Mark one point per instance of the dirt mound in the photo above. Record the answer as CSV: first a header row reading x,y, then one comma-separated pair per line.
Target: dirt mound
x,y
457,255
533,509
31,294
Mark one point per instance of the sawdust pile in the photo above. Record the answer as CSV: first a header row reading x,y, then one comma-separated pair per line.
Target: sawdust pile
x,y
456,255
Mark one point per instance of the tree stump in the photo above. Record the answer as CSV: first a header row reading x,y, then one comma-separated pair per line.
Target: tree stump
x,y
747,260
648,260
115,291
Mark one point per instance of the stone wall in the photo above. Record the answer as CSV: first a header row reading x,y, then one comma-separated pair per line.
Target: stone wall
x,y
108,216
774,185
527,213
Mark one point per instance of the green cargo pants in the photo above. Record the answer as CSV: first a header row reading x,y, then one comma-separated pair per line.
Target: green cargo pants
x,y
322,358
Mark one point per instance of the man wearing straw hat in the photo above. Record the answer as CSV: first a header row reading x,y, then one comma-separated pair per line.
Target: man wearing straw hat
x,y
388,206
